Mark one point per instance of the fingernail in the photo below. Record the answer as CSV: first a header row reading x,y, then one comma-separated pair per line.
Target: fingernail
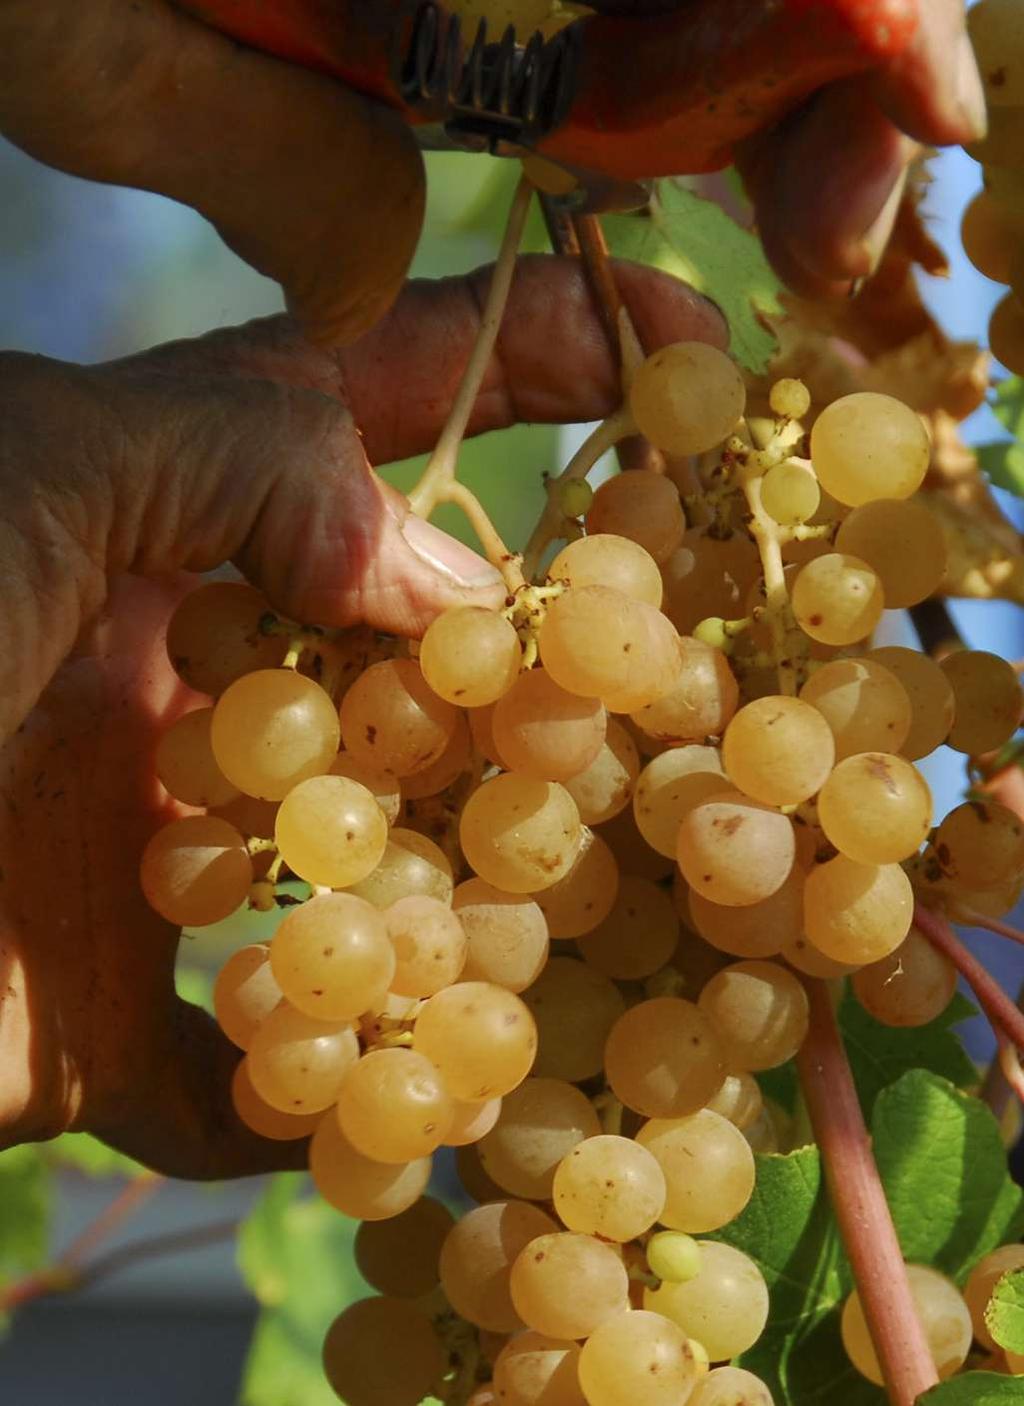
x,y
970,91
452,558
879,231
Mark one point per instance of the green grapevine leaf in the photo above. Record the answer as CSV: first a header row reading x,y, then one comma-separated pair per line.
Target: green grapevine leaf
x,y
880,1054
976,1389
195,985
942,1160
1003,462
88,1155
1008,405
1004,1315
697,241
24,1209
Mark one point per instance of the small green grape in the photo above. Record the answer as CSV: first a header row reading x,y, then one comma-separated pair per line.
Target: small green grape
x,y
574,496
673,1256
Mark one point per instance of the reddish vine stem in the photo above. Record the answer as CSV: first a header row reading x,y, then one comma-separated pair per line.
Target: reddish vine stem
x,y
996,925
861,1210
1004,1017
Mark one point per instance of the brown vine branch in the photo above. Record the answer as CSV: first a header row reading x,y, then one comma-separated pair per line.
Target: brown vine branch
x,y
861,1210
1004,1017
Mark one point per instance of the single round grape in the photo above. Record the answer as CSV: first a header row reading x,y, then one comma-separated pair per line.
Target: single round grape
x,y
540,1122
634,854
393,1106
790,492
673,1255
214,636
686,398
196,871
481,1037
982,1280
429,942
609,1186
1002,143
297,1064
520,834
1006,328
708,1168
186,765
360,1358
996,28
739,1099
669,787
930,693
725,1306
471,1121
987,700
507,936
943,1315
331,956
391,717
735,850
438,776
575,1008
534,1370
837,599
603,559
760,1012
273,729
244,993
605,787
401,1256
731,1386
700,703
470,655
638,1359
566,1285
910,987
542,731
331,831
857,913
664,1058
477,1259
584,896
866,446
638,935
989,237
902,542
643,507
356,1185
602,644
778,750
875,808
981,843
864,704
757,929
383,785
709,576
789,398
411,864
261,1117
804,957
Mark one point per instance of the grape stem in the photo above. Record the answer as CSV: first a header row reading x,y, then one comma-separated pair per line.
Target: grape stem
x,y
1009,1065
996,925
1004,1017
865,1222
768,536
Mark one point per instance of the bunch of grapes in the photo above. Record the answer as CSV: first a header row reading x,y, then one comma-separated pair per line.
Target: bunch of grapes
x,y
569,862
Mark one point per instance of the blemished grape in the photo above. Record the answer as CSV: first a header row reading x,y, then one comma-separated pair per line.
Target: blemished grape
x,y
864,704
734,850
790,492
760,1012
534,1370
903,543
986,698
477,1259
471,1121
609,1186
731,1386
244,993
520,834
669,787
470,656
196,871
411,864
429,942
709,576
664,1058
866,446
331,956
857,913
331,831
943,1314
739,1099
1006,332
996,28
540,1123
575,1007
982,1280
643,507
686,398
988,237
602,644
789,398
506,934
542,731
583,897
604,559
439,775
837,599
356,1185
756,929
638,1359
297,1064
273,729
605,787
673,1255
186,765
804,957
393,1106
708,1168
261,1117
637,936
981,843
725,1306
481,1037
875,808
778,750
930,693
401,1256
383,785
362,1365
392,718
701,701
566,1285
214,636
910,987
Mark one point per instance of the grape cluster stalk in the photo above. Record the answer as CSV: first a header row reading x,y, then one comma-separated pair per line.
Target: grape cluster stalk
x,y
578,871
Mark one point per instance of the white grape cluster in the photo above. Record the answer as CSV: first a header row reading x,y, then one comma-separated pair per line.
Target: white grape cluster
x,y
569,866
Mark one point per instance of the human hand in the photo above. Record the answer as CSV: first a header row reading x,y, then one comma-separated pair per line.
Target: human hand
x,y
252,446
